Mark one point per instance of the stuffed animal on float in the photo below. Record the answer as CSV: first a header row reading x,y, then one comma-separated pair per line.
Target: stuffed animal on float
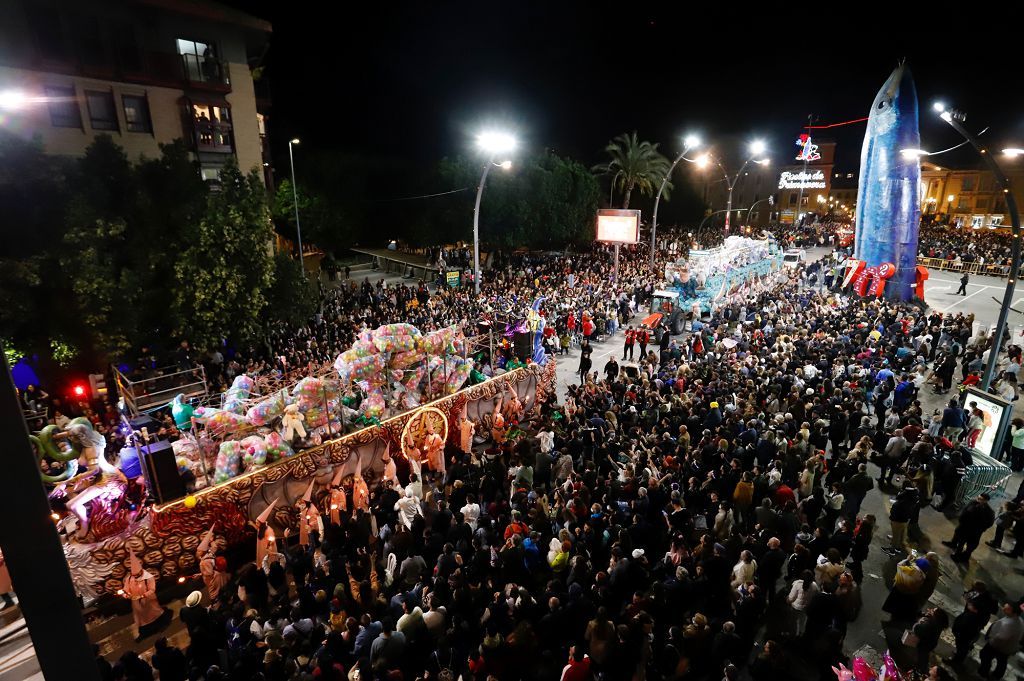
x,y
182,412
291,423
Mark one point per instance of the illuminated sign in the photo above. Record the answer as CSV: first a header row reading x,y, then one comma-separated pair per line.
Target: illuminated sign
x,y
453,278
804,179
808,150
618,226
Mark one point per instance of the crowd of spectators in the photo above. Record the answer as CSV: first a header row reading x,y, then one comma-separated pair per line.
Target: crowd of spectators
x,y
694,518
988,249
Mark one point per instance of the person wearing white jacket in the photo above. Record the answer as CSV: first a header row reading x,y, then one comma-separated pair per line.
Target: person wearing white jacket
x,y
800,596
743,572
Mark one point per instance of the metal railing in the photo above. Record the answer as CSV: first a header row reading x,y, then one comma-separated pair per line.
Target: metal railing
x,y
157,391
989,269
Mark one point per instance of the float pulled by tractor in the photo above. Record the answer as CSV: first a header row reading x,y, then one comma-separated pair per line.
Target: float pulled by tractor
x,y
696,285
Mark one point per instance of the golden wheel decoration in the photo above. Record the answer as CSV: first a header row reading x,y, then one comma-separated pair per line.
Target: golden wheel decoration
x,y
415,431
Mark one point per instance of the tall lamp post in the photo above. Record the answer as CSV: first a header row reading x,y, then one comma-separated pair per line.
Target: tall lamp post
x,y
955,119
493,144
295,199
691,142
757,148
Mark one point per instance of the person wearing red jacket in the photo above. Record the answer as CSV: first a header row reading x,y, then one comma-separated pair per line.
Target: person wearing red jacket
x,y
578,668
627,347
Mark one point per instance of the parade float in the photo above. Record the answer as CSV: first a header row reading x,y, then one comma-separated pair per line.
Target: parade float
x,y
263,446
706,279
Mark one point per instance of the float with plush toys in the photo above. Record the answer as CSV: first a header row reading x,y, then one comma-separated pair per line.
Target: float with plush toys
x,y
259,448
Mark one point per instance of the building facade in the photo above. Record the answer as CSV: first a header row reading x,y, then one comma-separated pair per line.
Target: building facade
x,y
969,198
794,188
145,72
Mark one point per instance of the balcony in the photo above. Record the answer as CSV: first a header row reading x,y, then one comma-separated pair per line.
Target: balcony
x,y
206,72
213,137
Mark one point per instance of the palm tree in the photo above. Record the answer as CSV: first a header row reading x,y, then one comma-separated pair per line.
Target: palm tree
x,y
634,165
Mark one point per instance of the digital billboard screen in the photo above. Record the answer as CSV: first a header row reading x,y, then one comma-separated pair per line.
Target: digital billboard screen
x,y
618,226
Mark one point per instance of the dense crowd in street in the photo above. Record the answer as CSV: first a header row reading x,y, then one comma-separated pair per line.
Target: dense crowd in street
x,y
693,518
965,246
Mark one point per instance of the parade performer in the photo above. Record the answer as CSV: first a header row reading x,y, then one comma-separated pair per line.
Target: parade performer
x,y
412,455
310,522
211,566
390,469
515,407
338,502
433,450
140,589
498,430
265,539
360,491
466,431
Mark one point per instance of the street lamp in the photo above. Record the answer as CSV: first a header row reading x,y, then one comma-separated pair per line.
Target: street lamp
x,y
757,147
955,119
12,100
492,143
295,199
691,142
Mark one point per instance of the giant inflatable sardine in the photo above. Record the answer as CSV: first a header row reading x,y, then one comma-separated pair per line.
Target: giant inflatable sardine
x,y
888,195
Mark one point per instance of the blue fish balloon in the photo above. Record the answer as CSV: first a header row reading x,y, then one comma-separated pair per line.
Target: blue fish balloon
x,y
888,195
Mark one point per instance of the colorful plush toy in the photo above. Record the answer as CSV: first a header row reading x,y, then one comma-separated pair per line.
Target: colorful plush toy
x,y
291,423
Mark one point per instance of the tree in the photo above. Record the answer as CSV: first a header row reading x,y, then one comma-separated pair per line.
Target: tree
x,y
291,299
634,165
33,288
225,271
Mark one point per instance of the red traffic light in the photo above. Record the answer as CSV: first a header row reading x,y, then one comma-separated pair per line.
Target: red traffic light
x,y
79,390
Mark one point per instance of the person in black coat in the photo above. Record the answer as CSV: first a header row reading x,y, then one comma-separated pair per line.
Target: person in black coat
x,y
976,517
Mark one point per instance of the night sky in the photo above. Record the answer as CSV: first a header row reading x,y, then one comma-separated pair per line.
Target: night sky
x,y
416,80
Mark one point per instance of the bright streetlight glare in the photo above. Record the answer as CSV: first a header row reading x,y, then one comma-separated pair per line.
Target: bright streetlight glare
x,y
703,160
1013,152
692,141
946,116
13,99
294,140
763,161
496,142
757,147
939,106
505,165
913,153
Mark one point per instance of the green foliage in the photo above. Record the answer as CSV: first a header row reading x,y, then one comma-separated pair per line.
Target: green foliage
x,y
544,201
634,164
291,299
225,270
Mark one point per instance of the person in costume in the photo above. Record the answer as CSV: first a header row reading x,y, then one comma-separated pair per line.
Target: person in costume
x,y
360,490
433,450
390,469
498,430
310,522
466,431
339,503
212,567
140,589
265,538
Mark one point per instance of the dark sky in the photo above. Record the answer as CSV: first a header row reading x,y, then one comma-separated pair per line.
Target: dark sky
x,y
418,79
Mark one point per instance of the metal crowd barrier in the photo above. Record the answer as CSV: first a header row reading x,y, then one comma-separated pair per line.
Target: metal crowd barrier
x,y
984,475
994,270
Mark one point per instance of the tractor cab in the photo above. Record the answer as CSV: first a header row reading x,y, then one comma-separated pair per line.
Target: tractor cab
x,y
665,305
